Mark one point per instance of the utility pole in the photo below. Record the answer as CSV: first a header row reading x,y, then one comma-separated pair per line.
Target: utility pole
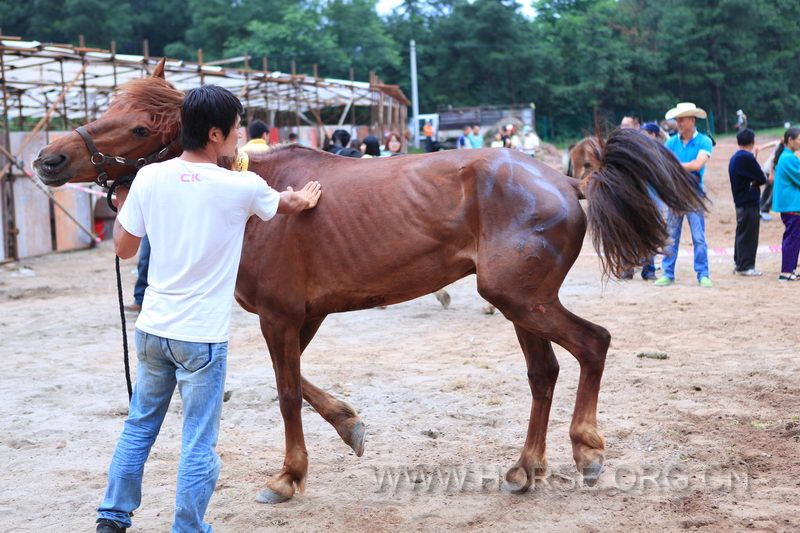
x,y
414,93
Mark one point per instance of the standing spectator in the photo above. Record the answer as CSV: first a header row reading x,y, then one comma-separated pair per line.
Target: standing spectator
x,y
693,150
769,170
258,137
371,146
428,133
530,141
475,138
741,120
786,201
746,176
630,121
394,145
293,138
341,140
651,129
463,142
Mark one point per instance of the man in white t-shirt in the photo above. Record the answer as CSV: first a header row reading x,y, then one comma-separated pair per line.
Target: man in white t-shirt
x,y
194,213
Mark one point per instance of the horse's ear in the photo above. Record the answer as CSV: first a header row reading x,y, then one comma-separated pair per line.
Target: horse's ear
x,y
158,72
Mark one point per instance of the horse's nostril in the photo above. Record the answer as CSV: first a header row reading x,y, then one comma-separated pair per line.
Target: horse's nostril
x,y
54,162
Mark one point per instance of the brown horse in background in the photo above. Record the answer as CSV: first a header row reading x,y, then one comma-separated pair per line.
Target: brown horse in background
x,y
391,229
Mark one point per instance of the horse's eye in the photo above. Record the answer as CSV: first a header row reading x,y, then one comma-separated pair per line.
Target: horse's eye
x,y
141,131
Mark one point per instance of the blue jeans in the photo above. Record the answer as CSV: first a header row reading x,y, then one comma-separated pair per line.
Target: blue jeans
x,y
697,226
141,270
199,371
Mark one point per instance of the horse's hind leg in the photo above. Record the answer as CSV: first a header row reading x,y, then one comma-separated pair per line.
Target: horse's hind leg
x,y
588,343
337,413
542,375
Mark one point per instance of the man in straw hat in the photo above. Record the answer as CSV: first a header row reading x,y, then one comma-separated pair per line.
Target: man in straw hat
x,y
692,149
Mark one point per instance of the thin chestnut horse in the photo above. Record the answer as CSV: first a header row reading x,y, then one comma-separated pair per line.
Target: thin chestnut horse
x,y
391,229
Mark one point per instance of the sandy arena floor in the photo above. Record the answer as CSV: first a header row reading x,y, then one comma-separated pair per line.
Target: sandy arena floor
x,y
706,439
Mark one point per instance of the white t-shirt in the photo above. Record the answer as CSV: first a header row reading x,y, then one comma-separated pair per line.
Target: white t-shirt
x,y
194,215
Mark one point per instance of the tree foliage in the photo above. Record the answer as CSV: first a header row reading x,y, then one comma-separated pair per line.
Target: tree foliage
x,y
577,60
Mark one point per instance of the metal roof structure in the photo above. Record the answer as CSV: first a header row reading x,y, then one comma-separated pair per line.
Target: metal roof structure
x,y
34,74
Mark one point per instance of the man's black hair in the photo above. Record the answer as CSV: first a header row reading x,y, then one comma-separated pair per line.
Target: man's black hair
x,y
206,107
746,137
257,129
341,137
292,136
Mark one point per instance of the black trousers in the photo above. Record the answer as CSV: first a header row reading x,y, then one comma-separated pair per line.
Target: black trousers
x,y
766,198
747,224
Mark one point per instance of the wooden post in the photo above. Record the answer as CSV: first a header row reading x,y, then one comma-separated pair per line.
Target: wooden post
x,y
63,88
114,61
352,99
296,98
265,68
200,66
7,185
81,41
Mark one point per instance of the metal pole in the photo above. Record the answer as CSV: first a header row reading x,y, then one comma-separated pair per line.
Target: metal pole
x,y
414,93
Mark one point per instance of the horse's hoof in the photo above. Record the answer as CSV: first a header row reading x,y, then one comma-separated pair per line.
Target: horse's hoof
x,y
591,473
488,309
271,497
357,437
517,480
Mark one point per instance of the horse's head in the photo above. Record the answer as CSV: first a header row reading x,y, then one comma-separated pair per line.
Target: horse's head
x,y
142,120
585,157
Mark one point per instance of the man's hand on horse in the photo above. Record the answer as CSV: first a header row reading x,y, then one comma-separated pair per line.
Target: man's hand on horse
x,y
295,201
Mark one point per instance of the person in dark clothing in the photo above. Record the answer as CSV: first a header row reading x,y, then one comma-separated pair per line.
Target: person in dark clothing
x,y
341,140
371,146
746,177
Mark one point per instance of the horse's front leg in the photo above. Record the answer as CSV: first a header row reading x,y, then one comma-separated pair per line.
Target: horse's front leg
x,y
282,336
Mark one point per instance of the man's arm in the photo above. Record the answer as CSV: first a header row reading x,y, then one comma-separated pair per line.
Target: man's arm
x,y
699,162
125,244
293,202
754,170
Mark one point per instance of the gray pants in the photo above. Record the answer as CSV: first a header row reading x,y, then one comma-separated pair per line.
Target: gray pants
x,y
747,224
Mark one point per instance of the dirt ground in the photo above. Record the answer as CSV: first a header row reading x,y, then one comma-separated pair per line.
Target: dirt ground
x,y
706,439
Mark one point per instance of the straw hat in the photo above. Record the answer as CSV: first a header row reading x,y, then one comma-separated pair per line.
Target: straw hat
x,y
685,109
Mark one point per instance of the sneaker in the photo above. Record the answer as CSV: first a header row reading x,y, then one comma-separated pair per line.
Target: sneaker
x,y
105,525
766,217
705,282
788,277
750,273
664,281
133,307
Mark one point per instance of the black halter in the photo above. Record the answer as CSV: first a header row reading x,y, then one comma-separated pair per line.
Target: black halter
x,y
100,160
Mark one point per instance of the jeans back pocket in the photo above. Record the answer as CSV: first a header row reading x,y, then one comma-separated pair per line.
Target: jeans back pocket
x,y
191,356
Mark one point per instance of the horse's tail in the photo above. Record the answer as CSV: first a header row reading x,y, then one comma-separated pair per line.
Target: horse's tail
x,y
625,217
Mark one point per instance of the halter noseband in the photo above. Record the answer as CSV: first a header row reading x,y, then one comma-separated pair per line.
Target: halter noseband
x,y
100,160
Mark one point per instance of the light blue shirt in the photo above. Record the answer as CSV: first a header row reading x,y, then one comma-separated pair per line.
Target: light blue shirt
x,y
475,140
686,152
786,191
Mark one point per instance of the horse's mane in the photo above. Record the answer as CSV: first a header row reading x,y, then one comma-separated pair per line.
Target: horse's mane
x,y
155,96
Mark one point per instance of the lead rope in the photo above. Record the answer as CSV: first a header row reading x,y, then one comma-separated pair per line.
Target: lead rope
x,y
124,333
111,190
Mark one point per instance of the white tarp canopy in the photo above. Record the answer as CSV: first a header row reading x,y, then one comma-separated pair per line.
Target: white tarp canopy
x,y
36,73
